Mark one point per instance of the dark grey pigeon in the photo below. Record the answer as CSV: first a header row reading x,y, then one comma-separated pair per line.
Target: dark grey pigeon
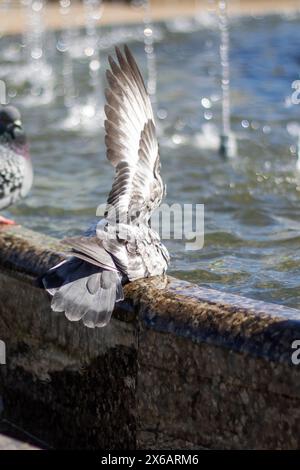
x,y
122,247
16,173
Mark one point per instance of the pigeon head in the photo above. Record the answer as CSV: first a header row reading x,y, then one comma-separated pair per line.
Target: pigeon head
x,y
11,129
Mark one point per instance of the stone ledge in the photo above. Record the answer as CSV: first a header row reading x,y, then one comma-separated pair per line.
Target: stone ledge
x,y
173,306
177,364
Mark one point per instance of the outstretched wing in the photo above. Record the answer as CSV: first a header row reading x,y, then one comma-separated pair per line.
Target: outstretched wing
x,y
131,142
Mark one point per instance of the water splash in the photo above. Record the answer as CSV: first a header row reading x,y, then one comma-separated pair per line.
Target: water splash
x,y
228,145
208,138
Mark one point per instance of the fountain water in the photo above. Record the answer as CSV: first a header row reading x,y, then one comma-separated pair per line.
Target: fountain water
x,y
39,72
298,153
87,114
228,146
150,53
208,137
63,46
92,111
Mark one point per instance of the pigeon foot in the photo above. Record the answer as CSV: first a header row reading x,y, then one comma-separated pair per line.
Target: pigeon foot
x,y
5,221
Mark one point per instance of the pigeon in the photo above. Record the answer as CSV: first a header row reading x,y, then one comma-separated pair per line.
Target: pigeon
x,y
122,247
16,174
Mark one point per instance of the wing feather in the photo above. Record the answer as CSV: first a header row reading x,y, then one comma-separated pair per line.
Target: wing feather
x,y
131,141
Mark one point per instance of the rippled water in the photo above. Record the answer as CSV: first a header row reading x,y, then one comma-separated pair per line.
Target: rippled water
x,y
252,210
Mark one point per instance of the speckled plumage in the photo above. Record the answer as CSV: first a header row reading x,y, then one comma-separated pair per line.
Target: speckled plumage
x,y
16,173
15,176
122,247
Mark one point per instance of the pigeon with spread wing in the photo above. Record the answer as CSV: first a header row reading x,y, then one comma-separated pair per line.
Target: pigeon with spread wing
x,y
122,247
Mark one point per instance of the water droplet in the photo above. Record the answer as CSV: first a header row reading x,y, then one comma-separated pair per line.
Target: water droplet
x,y
94,65
61,46
89,51
176,139
162,113
267,165
65,3
208,115
245,123
148,31
266,129
293,128
206,103
37,53
149,49
255,125
37,6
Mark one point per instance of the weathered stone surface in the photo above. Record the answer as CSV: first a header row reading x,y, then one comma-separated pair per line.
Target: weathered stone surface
x,y
179,366
71,386
215,397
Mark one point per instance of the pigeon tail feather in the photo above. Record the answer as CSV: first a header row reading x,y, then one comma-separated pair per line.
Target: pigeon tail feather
x,y
83,291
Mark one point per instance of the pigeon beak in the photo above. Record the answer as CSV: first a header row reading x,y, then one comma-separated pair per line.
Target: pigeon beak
x,y
18,123
17,132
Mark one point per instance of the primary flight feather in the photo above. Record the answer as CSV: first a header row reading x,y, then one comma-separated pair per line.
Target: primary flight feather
x,y
122,247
